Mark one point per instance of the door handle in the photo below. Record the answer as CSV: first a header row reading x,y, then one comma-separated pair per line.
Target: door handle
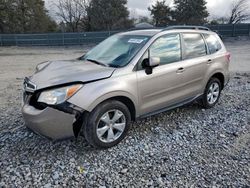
x,y
209,61
180,70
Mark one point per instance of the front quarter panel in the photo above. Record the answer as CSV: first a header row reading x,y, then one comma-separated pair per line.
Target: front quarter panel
x,y
92,94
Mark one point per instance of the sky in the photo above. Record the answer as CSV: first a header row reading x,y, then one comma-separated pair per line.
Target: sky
x,y
216,8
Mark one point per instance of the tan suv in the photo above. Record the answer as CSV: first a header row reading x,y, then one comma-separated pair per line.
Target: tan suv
x,y
128,76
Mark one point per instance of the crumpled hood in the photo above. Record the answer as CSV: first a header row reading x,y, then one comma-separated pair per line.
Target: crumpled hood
x,y
54,73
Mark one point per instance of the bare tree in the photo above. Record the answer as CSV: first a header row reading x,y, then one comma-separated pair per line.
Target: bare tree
x,y
240,11
72,13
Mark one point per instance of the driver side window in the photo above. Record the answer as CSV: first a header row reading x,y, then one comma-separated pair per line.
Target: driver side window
x,y
167,48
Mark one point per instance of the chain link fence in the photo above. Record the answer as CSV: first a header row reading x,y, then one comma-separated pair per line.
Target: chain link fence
x,y
64,39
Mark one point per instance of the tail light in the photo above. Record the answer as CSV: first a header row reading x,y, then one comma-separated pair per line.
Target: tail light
x,y
228,56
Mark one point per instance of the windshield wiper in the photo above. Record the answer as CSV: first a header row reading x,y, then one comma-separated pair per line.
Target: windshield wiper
x,y
97,62
115,66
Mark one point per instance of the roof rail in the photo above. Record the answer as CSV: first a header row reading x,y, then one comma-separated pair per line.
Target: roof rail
x,y
187,27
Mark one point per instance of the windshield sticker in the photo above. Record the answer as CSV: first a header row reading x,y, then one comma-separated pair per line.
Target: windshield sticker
x,y
137,41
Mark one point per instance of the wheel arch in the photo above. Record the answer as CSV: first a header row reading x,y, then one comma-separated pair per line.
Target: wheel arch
x,y
125,98
128,102
220,76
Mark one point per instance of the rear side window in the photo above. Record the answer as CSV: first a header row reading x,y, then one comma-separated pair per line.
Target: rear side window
x,y
213,43
194,45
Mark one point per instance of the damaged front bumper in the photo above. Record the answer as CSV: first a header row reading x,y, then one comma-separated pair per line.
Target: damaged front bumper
x,y
49,122
54,122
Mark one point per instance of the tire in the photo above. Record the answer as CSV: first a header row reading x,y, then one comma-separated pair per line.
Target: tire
x,y
101,130
211,97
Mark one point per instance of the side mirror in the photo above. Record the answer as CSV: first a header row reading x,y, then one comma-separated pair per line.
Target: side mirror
x,y
150,63
154,61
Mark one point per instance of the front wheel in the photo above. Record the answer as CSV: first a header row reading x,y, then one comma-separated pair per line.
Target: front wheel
x,y
107,124
212,93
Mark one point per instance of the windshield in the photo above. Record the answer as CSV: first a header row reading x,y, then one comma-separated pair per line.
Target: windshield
x,y
116,51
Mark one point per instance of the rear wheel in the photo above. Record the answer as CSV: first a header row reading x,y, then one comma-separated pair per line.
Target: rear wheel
x,y
107,124
212,93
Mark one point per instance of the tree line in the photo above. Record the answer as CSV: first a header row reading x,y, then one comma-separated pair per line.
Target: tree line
x,y
31,16
23,16
195,12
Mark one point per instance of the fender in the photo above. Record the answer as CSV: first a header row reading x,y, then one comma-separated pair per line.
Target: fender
x,y
112,95
92,94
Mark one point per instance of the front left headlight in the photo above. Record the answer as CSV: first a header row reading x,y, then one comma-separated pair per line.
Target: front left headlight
x,y
58,96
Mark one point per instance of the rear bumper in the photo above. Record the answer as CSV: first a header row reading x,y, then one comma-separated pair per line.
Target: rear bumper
x,y
51,123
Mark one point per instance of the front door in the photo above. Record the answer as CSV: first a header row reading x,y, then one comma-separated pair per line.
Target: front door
x,y
164,86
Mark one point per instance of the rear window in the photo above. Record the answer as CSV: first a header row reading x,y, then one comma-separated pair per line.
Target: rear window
x,y
194,45
213,43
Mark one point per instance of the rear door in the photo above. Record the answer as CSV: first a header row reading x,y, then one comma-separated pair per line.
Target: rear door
x,y
195,63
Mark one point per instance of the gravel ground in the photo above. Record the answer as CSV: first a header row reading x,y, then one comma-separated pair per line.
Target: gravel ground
x,y
185,147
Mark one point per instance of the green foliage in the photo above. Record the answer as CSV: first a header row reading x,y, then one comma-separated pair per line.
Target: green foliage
x,y
214,22
190,12
162,14
108,15
25,16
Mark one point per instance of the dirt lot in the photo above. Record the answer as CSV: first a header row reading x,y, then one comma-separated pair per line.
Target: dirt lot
x,y
188,146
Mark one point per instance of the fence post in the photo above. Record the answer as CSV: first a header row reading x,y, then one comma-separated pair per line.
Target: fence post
x,y
47,39
249,30
233,34
32,41
79,38
16,40
1,39
63,38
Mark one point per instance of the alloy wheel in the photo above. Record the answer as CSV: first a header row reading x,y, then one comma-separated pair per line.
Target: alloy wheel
x,y
111,126
213,93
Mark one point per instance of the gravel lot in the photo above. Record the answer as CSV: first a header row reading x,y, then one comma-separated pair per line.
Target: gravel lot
x,y
186,147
